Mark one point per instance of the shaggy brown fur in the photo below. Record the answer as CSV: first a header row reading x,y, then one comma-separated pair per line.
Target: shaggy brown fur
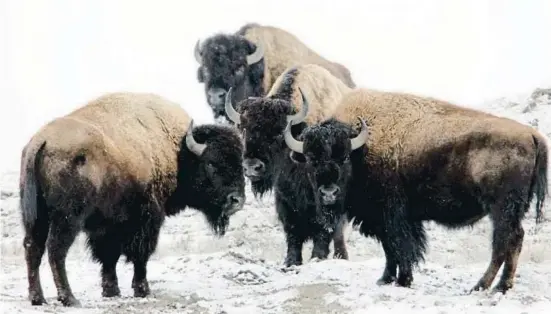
x,y
110,168
322,90
456,165
283,50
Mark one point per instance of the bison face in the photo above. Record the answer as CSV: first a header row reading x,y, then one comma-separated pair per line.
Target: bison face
x,y
229,61
211,173
261,122
326,150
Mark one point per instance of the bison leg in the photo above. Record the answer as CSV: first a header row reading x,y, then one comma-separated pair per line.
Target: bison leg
x,y
35,245
294,247
321,245
389,274
106,249
63,232
511,260
339,242
499,251
140,247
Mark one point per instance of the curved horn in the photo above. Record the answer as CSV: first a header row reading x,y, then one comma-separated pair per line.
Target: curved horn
x,y
301,115
191,144
197,52
257,55
230,111
361,139
294,145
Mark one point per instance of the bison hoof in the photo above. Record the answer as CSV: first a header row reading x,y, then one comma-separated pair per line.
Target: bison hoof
x,y
405,281
37,299
111,291
503,287
385,280
141,290
342,255
480,286
69,301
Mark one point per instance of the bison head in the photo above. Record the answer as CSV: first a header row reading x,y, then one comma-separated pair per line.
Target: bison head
x,y
210,176
228,61
262,121
326,150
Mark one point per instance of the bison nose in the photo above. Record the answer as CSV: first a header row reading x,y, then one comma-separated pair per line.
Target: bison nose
x,y
329,193
253,167
234,202
217,95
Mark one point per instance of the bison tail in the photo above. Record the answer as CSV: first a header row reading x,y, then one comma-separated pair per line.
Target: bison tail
x,y
539,182
31,188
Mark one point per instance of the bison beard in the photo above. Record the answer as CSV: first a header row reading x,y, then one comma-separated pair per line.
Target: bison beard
x,y
398,204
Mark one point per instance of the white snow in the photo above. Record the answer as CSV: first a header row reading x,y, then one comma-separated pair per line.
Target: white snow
x,y
58,55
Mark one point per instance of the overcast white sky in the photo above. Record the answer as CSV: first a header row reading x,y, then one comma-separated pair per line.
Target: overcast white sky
x,y
56,55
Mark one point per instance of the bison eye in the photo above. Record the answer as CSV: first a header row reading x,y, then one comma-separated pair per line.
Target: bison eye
x,y
211,168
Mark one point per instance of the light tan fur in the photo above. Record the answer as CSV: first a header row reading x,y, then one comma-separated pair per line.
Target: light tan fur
x,y
322,90
126,137
404,126
283,50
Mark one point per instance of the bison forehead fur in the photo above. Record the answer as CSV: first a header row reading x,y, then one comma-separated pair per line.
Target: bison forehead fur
x,y
427,159
223,60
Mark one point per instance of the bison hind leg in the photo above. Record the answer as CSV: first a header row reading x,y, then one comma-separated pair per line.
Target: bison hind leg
x,y
508,236
35,246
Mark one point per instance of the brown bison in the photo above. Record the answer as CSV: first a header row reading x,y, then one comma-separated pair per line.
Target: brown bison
x,y
250,61
115,168
425,159
305,94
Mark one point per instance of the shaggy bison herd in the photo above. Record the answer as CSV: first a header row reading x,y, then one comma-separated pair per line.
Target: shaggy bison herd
x,y
297,125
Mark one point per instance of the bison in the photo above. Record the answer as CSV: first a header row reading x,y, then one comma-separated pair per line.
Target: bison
x,y
250,61
115,168
424,159
266,160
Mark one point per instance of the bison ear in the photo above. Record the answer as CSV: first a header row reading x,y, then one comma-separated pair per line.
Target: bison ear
x,y
200,76
297,158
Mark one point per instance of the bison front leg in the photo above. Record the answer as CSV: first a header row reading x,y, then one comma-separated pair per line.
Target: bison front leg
x,y
107,250
321,245
293,236
389,274
63,232
339,242
140,248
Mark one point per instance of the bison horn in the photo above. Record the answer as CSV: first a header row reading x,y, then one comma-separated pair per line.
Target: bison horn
x,y
230,111
197,53
256,56
294,145
191,144
361,139
301,115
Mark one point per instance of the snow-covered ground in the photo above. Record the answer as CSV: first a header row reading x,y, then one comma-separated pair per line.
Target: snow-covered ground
x,y
60,55
194,272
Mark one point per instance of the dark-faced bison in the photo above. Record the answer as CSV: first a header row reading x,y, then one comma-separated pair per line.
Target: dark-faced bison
x,y
250,60
115,168
304,94
424,159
